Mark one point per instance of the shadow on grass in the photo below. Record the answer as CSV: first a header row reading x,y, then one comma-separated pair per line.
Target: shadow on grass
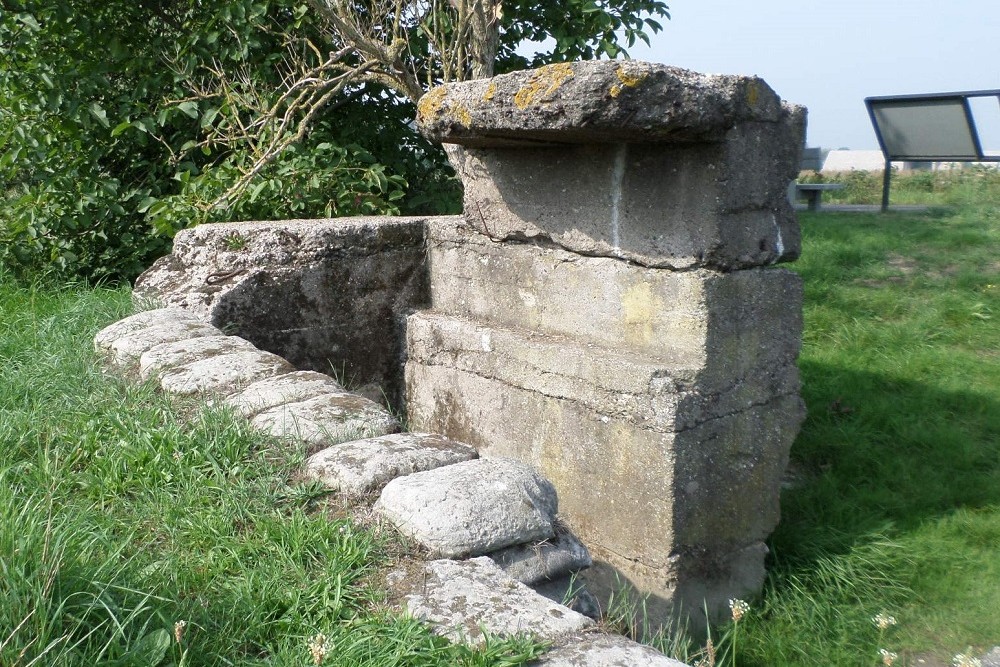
x,y
878,454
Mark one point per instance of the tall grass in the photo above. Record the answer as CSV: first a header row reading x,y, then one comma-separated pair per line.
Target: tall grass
x,y
140,531
968,186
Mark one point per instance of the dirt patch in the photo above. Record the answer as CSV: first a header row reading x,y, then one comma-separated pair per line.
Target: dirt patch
x,y
905,265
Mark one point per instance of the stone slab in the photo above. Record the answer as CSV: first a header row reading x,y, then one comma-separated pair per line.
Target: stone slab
x,y
161,357
471,508
364,466
746,319
992,658
594,101
461,599
323,294
550,559
328,419
664,395
128,348
224,374
142,320
289,388
600,650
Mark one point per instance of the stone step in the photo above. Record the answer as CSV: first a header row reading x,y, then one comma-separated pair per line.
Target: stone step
x,y
471,508
142,320
327,419
129,347
466,600
289,388
366,466
601,650
537,562
167,355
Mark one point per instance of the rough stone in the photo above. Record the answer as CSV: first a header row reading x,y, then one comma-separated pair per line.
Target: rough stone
x,y
143,320
663,395
289,388
464,598
323,294
600,650
364,466
721,205
471,508
991,659
569,590
128,348
540,561
595,102
160,357
224,374
747,319
327,420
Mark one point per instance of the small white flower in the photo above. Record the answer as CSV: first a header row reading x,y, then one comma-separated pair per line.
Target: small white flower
x,y
888,657
739,608
883,621
319,646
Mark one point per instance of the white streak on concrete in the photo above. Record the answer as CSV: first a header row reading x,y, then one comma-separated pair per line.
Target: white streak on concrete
x,y
779,245
617,178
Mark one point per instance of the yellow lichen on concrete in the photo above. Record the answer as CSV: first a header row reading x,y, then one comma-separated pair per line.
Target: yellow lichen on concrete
x,y
545,81
628,79
640,309
462,115
430,104
491,91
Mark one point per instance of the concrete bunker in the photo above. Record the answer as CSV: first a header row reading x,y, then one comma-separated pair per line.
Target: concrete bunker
x,y
605,309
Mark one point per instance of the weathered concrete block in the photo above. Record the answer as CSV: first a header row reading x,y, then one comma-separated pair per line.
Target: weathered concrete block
x,y
364,466
471,508
223,374
719,205
464,598
289,388
653,164
598,650
327,419
327,295
143,320
160,357
745,319
595,102
129,347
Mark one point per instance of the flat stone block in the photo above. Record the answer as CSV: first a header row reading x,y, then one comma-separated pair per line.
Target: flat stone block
x,y
143,320
364,466
599,650
742,319
464,598
289,388
663,395
129,347
328,419
594,102
160,357
720,205
471,508
223,374
569,590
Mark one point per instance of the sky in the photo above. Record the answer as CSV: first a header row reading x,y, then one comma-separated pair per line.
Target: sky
x,y
830,55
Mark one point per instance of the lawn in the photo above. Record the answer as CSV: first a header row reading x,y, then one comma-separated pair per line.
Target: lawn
x,y
139,531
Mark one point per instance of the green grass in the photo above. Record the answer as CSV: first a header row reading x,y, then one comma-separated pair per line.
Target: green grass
x,y
898,504
947,188
123,513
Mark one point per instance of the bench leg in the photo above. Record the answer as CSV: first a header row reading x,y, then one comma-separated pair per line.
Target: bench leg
x,y
812,196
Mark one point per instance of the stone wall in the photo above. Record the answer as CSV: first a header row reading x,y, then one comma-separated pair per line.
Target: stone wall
x,y
607,310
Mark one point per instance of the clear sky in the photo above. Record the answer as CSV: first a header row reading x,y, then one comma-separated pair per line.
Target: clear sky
x,y
829,55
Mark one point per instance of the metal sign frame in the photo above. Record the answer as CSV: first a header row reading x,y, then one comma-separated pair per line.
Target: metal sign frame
x,y
962,98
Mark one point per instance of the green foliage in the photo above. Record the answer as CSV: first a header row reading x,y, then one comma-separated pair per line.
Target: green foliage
x,y
580,29
100,152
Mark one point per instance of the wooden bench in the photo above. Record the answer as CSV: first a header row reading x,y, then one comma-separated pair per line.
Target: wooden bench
x,y
813,192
